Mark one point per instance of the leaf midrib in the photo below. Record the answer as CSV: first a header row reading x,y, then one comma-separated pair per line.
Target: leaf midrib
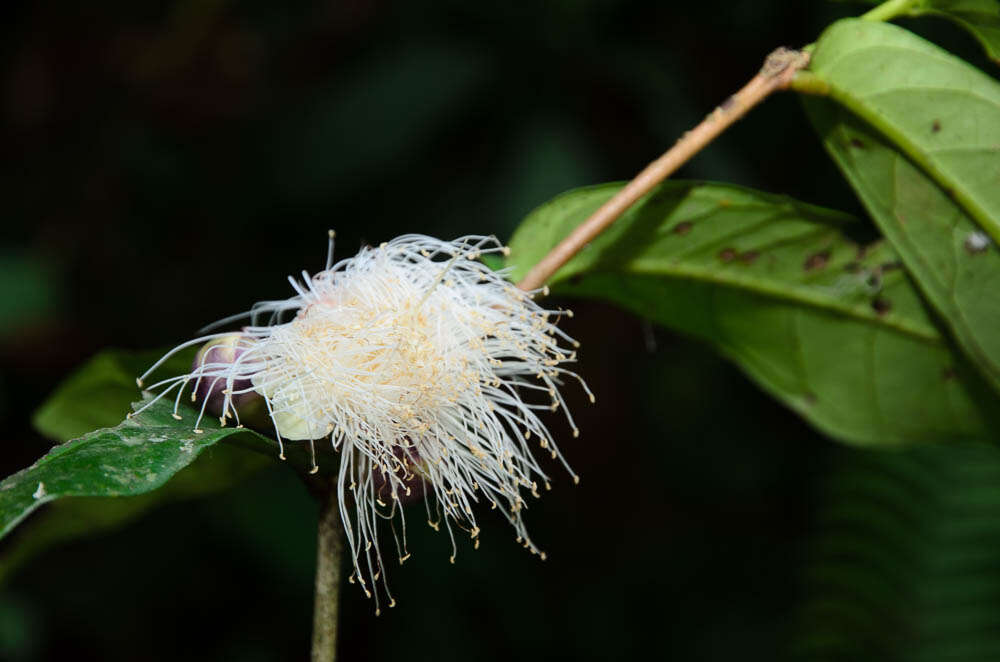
x,y
760,287
921,157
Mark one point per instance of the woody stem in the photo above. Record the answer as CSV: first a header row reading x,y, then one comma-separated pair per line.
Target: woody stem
x,y
776,74
329,546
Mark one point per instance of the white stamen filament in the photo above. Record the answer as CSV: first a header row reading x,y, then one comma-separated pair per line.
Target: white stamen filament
x,y
411,358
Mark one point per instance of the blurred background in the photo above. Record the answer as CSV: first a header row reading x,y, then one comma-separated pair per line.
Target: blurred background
x,y
166,164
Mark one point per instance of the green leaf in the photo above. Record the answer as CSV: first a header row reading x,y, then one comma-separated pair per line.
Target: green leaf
x,y
925,162
938,110
99,395
952,261
100,392
834,330
132,458
907,563
220,468
981,18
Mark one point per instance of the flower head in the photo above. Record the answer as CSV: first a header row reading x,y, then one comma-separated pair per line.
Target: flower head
x,y
420,365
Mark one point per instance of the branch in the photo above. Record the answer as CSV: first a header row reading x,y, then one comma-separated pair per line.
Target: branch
x,y
776,74
329,545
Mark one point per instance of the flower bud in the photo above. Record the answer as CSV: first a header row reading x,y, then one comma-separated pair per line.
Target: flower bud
x,y
209,368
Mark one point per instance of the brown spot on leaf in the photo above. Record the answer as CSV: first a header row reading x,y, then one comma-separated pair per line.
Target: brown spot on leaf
x,y
749,257
857,142
936,126
683,228
816,261
727,254
881,306
948,373
890,266
810,398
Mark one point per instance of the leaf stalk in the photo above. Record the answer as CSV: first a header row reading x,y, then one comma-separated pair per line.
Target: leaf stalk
x,y
890,10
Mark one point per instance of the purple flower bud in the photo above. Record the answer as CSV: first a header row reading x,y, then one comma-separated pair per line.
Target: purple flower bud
x,y
209,371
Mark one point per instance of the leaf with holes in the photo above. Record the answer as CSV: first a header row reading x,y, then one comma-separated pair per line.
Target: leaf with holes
x,y
921,147
833,329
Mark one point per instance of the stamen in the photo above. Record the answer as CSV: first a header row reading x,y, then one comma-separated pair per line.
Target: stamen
x,y
417,361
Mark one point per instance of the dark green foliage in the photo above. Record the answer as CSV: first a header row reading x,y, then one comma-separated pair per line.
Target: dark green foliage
x,y
882,341
137,456
905,567
98,396
916,131
833,329
981,18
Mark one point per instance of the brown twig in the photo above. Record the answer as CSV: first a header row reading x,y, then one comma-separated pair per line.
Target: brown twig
x,y
776,74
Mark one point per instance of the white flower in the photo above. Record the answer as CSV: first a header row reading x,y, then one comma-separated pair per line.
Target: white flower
x,y
413,359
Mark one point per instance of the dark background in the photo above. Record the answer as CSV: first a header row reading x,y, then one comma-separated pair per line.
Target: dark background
x,y
168,163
